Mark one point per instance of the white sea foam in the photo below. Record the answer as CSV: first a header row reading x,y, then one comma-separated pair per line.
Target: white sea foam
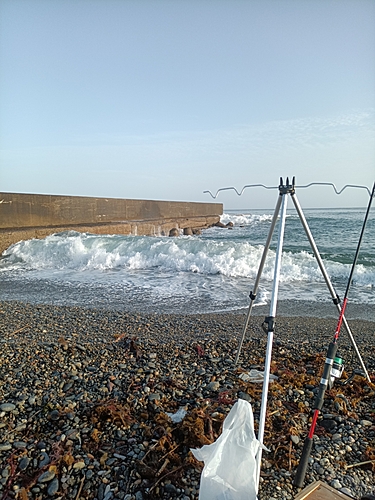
x,y
212,272
245,219
233,259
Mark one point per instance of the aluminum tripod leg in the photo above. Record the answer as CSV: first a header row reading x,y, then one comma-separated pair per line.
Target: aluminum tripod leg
x,y
334,296
260,270
271,322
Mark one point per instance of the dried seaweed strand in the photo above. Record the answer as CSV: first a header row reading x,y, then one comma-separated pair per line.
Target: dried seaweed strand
x,y
360,463
165,475
148,451
290,456
162,468
170,451
80,488
19,330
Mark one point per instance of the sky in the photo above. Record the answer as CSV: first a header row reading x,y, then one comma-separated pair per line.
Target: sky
x,y
166,99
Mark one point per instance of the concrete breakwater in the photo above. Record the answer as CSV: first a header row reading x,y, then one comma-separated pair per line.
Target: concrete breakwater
x,y
26,216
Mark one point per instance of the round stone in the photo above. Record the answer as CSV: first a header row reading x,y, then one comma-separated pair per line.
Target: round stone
x,y
89,474
54,415
46,477
23,463
7,407
170,488
53,487
213,386
336,484
154,397
245,396
346,491
19,444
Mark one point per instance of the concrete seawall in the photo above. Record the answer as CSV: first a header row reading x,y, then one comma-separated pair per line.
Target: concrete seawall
x,y
26,216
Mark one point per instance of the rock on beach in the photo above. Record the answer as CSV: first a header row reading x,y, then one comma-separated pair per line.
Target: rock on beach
x,y
87,399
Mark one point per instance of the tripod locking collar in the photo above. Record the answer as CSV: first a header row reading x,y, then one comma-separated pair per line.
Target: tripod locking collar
x,y
268,324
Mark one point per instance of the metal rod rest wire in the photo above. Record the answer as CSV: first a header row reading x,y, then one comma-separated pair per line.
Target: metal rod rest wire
x,y
239,193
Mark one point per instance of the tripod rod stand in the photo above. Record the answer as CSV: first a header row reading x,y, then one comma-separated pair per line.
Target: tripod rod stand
x,y
269,322
283,190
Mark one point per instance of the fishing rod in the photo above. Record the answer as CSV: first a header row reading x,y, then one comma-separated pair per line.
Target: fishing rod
x,y
329,362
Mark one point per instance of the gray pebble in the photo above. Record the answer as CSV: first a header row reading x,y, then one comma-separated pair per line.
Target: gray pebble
x,y
101,491
213,386
53,487
245,396
366,423
5,473
45,459
23,463
54,415
346,491
67,386
19,444
7,407
46,476
336,484
154,397
336,437
170,488
89,473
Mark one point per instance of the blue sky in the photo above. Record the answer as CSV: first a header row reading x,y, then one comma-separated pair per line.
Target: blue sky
x,y
166,99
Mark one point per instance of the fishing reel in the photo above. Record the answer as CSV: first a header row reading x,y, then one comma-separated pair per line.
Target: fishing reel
x,y
336,370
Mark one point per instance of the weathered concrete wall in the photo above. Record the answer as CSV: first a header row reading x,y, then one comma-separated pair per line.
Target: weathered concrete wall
x,y
25,216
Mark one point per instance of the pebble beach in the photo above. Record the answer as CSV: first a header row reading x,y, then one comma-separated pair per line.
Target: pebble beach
x,y
102,404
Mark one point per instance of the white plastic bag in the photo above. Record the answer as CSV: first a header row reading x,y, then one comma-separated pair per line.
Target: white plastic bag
x,y
230,470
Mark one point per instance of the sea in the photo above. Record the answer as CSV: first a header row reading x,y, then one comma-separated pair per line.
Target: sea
x,y
209,273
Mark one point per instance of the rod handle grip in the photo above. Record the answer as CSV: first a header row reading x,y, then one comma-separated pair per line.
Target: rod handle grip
x,y
303,463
